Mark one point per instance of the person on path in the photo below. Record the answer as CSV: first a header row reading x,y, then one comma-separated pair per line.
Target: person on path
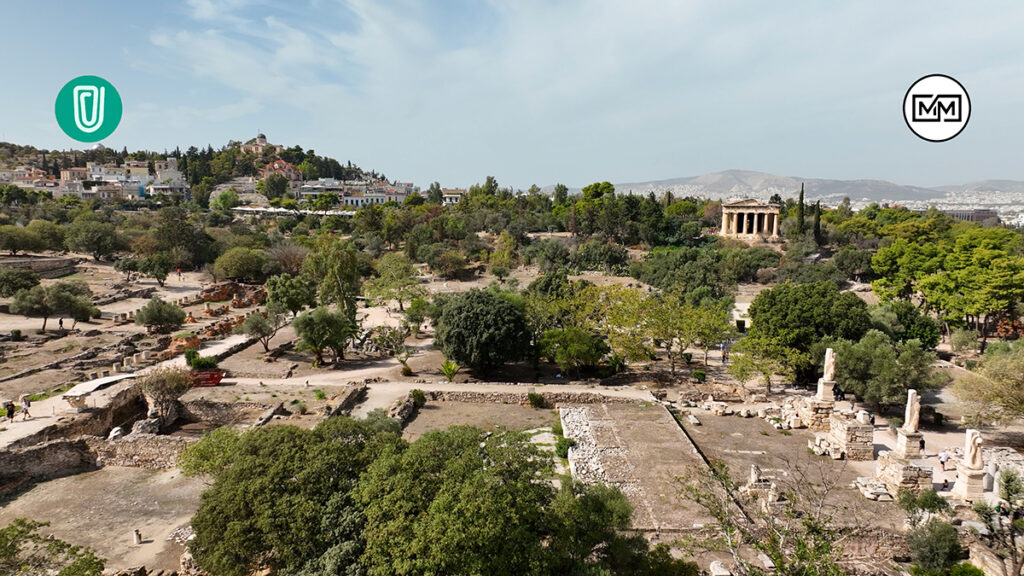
x,y
25,405
10,411
943,458
60,323
922,446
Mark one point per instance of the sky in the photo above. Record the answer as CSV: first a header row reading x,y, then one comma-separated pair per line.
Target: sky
x,y
535,91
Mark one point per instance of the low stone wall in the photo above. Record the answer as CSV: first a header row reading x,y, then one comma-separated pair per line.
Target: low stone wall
x,y
551,398
124,295
44,462
218,413
87,355
347,400
138,450
43,266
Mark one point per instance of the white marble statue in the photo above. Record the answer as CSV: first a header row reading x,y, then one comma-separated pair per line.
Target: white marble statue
x,y
972,451
913,415
830,366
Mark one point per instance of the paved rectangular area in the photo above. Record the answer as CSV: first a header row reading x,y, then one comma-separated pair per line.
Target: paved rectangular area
x,y
639,448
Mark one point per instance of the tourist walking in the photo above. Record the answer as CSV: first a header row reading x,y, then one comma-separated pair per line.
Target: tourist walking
x,y
60,323
922,446
943,458
25,405
10,411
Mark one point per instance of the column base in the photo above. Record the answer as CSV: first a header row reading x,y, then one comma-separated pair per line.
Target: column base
x,y
908,444
825,390
970,484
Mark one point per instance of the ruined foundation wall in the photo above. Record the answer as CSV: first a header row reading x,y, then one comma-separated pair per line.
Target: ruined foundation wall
x,y
44,462
138,450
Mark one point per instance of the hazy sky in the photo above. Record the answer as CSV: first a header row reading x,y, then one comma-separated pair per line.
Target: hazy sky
x,y
535,91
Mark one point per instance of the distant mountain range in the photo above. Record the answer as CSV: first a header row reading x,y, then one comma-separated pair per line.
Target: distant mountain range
x,y
735,184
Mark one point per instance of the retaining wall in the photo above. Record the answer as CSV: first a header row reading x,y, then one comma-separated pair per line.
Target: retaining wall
x,y
44,462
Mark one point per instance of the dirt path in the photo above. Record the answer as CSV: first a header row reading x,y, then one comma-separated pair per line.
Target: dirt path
x,y
100,509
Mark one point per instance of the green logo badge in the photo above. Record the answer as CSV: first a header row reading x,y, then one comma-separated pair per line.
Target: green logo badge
x,y
88,108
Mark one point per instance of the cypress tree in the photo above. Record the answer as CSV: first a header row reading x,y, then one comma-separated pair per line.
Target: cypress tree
x,y
817,223
800,226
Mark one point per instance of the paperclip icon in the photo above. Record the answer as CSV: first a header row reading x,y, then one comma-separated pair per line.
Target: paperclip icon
x,y
85,97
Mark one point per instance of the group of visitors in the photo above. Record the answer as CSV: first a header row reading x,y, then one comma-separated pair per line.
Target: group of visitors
x,y
9,408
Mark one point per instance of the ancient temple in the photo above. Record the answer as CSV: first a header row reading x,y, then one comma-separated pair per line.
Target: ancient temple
x,y
749,219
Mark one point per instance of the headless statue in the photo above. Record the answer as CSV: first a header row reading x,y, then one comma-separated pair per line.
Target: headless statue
x,y
913,414
972,451
830,366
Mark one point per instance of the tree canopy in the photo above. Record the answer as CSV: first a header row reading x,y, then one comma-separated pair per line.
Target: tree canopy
x,y
482,330
351,497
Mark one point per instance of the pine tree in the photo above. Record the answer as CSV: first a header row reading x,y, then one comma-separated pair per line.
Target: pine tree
x,y
800,226
817,223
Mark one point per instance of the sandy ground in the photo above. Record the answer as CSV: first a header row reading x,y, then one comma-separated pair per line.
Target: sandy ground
x,y
100,509
442,415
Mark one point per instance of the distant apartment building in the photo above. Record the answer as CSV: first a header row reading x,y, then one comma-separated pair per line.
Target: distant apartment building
x,y
356,193
175,189
311,190
365,199
74,174
137,170
99,172
452,196
28,174
167,171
